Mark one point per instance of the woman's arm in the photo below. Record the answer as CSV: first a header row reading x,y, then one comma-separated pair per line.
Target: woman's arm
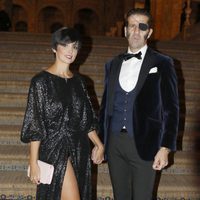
x,y
98,150
34,168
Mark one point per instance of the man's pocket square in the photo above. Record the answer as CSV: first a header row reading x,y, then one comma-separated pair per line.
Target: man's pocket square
x,y
153,70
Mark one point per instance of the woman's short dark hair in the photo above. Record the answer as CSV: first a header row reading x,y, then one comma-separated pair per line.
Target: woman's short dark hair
x,y
138,11
65,36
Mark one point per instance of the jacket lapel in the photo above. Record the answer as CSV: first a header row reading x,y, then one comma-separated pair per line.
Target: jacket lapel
x,y
145,68
114,75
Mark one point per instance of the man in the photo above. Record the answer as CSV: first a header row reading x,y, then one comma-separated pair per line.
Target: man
x,y
139,112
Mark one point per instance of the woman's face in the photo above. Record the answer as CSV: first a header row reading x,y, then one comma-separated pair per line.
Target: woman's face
x,y
67,53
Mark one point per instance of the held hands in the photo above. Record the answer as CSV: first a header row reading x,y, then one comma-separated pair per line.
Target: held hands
x,y
97,154
35,173
98,150
161,159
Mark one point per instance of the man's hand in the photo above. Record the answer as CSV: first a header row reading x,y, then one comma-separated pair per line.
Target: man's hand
x,y
161,159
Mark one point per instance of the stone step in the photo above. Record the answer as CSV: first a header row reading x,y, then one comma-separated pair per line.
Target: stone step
x,y
93,82
26,61
33,54
10,37
186,64
11,152
10,131
44,51
12,82
172,187
13,100
186,74
85,68
17,74
13,164
9,82
192,124
187,141
11,116
47,57
191,95
11,140
14,157
14,86
37,39
15,185
16,103
182,162
19,99
180,56
185,46
14,115
27,74
30,47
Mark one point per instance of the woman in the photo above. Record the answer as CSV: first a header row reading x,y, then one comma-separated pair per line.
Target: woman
x,y
59,123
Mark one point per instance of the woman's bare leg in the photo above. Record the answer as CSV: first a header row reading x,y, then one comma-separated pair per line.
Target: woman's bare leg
x,y
70,189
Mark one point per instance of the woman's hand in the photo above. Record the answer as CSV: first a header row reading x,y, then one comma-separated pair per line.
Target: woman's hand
x,y
34,173
98,150
34,168
97,154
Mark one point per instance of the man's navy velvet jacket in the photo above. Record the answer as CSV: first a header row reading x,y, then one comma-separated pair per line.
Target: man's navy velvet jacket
x,y
156,106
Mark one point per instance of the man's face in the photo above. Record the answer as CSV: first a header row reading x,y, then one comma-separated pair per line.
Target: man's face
x,y
137,32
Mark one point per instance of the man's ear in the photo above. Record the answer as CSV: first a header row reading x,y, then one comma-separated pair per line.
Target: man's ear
x,y
150,33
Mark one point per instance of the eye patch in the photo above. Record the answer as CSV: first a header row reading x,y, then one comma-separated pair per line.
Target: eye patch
x,y
143,26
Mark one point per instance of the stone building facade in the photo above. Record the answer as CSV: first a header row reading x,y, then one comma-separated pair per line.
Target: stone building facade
x,y
92,17
44,16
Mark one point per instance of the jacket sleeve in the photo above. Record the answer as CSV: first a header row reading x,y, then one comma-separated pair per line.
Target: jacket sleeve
x,y
102,112
170,104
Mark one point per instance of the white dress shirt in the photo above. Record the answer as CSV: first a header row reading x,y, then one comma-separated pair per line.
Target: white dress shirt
x,y
130,70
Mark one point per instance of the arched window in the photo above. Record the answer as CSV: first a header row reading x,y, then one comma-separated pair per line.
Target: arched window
x,y
21,26
19,17
50,18
5,23
88,20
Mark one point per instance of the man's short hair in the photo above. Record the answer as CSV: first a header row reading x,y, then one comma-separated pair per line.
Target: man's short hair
x,y
138,11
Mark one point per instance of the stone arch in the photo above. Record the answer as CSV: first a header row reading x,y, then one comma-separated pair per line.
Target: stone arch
x,y
49,18
5,23
19,15
88,20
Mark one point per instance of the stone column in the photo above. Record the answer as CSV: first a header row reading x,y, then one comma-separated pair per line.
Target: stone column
x,y
167,18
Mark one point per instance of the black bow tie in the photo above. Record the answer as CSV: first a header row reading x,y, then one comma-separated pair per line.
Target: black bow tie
x,y
127,56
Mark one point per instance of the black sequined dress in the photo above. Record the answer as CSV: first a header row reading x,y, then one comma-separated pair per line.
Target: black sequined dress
x,y
59,113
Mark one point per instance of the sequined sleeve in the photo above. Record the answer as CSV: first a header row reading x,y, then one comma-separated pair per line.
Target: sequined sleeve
x,y
94,124
33,128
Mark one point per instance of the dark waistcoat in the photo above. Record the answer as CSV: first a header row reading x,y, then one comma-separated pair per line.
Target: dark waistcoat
x,y
122,110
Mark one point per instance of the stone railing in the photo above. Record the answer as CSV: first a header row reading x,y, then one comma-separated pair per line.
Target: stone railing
x,y
188,12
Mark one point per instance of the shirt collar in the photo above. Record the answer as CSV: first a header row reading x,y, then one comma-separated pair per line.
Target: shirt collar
x,y
143,50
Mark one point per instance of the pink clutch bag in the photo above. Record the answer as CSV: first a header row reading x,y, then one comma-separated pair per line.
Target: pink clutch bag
x,y
46,172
